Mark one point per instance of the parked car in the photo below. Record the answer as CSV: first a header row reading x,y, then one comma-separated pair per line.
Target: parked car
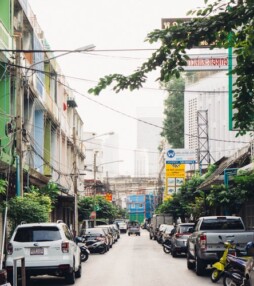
x,y
115,230
204,244
121,224
179,238
48,249
108,232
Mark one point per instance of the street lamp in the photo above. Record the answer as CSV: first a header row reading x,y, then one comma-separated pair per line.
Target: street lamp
x,y
96,136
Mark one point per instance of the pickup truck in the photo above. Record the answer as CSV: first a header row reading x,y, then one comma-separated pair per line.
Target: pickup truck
x,y
204,245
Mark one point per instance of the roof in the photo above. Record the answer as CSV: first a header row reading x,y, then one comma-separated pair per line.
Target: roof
x,y
236,160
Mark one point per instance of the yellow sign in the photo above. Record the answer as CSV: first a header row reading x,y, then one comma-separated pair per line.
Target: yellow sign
x,y
175,176
175,170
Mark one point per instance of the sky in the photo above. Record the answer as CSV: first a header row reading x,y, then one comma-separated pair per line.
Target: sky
x,y
109,25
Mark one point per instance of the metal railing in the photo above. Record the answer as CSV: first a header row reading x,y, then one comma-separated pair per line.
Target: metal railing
x,y
15,271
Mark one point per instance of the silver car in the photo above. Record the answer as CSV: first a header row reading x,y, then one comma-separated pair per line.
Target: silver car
x,y
179,239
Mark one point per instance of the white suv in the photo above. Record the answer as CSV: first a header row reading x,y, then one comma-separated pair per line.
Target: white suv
x,y
48,249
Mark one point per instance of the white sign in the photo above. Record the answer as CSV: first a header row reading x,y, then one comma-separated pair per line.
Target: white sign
x,y
181,156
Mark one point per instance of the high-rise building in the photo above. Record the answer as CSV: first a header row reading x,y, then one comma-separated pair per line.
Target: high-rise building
x,y
148,140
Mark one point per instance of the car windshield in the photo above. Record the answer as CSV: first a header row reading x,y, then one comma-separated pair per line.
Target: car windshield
x,y
105,229
94,231
33,234
119,221
185,228
168,229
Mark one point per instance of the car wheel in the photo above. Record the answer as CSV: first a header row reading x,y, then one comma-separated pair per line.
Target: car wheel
x,y
79,272
103,249
70,277
173,253
166,250
10,277
199,266
190,265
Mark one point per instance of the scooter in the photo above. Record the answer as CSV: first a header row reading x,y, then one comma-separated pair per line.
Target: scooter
x,y
84,251
96,246
220,266
242,271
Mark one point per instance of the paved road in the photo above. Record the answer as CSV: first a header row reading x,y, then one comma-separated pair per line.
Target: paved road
x,y
134,261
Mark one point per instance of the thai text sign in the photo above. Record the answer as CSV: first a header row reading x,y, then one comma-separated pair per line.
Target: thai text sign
x,y
181,156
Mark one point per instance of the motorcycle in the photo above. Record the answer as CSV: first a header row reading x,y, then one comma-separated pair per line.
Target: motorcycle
x,y
242,272
96,246
220,266
84,251
167,246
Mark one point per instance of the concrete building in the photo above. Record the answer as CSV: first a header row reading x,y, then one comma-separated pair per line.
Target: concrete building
x,y
148,140
210,95
41,129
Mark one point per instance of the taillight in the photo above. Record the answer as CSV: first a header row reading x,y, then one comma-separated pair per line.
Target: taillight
x,y
65,247
9,249
178,235
202,241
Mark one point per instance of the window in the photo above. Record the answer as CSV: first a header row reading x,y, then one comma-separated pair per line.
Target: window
x,y
33,234
222,224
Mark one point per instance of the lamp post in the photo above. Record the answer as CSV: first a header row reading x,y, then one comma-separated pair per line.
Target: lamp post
x,y
94,182
20,97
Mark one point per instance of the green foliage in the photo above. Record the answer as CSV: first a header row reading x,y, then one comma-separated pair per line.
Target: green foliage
x,y
213,25
30,208
50,190
187,201
173,124
3,186
229,201
105,209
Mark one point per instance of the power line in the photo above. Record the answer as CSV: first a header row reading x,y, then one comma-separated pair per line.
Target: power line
x,y
135,118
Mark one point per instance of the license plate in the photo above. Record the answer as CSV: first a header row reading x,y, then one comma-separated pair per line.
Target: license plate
x,y
37,251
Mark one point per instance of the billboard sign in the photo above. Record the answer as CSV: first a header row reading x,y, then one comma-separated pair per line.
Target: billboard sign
x,y
181,156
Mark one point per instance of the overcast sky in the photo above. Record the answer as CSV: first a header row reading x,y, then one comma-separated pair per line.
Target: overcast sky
x,y
109,25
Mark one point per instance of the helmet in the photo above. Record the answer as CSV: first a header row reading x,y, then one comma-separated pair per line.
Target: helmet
x,y
250,248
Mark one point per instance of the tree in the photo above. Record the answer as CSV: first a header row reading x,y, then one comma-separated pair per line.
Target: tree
x,y
173,124
222,24
189,200
32,207
104,209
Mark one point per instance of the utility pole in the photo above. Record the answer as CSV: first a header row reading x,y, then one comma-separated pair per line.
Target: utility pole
x,y
19,121
75,185
94,182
